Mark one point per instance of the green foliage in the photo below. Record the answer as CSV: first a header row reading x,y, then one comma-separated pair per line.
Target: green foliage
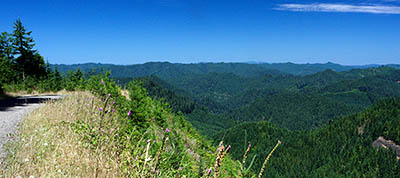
x,y
216,101
297,103
339,149
7,70
137,129
6,48
29,62
160,90
166,70
74,80
22,40
21,66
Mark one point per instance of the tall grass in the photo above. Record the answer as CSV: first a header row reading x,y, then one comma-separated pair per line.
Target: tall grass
x,y
47,145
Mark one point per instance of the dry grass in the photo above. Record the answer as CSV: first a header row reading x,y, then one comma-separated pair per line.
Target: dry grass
x,y
48,147
36,93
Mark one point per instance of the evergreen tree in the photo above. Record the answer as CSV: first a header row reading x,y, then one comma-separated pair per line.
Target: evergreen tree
x,y
75,80
7,72
29,62
6,46
7,65
56,80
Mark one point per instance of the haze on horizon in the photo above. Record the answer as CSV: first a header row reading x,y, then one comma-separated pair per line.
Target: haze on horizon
x,y
178,31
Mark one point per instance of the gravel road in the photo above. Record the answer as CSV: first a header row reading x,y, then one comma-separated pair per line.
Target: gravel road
x,y
13,110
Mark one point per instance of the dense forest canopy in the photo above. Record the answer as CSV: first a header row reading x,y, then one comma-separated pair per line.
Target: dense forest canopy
x,y
217,101
342,148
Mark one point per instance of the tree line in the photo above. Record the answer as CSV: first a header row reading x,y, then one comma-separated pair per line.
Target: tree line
x,y
23,68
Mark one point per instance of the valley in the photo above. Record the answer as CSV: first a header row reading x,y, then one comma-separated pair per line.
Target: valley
x,y
316,116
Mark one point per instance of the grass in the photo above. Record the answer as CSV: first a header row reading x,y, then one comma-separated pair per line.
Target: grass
x,y
47,146
35,93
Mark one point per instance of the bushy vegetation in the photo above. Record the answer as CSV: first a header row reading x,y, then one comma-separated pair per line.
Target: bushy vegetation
x,y
149,139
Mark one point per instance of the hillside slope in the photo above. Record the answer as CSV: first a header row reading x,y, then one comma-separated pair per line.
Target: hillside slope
x,y
340,149
104,134
217,101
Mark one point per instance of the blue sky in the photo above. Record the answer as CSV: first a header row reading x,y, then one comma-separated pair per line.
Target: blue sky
x,y
138,31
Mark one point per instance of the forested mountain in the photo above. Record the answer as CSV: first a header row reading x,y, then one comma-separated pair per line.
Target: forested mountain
x,y
178,100
292,102
306,69
215,97
216,101
342,148
167,70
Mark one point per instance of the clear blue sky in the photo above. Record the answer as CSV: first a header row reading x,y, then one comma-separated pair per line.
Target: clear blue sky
x,y
138,31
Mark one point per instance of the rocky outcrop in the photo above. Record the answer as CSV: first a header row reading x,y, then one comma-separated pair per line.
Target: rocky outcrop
x,y
383,143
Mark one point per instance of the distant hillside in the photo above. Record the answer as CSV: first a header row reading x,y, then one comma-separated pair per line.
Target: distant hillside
x,y
166,70
216,101
306,69
341,149
216,96
294,102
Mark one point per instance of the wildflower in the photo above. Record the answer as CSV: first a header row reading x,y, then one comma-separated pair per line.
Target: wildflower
x,y
147,141
267,158
31,176
102,82
109,94
244,160
113,110
129,113
100,109
167,130
114,102
209,171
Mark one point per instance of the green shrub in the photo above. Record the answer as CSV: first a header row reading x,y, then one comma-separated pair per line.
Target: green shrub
x,y
149,138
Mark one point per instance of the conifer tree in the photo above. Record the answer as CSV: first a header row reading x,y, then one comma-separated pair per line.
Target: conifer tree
x,y
56,80
7,67
6,46
29,62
